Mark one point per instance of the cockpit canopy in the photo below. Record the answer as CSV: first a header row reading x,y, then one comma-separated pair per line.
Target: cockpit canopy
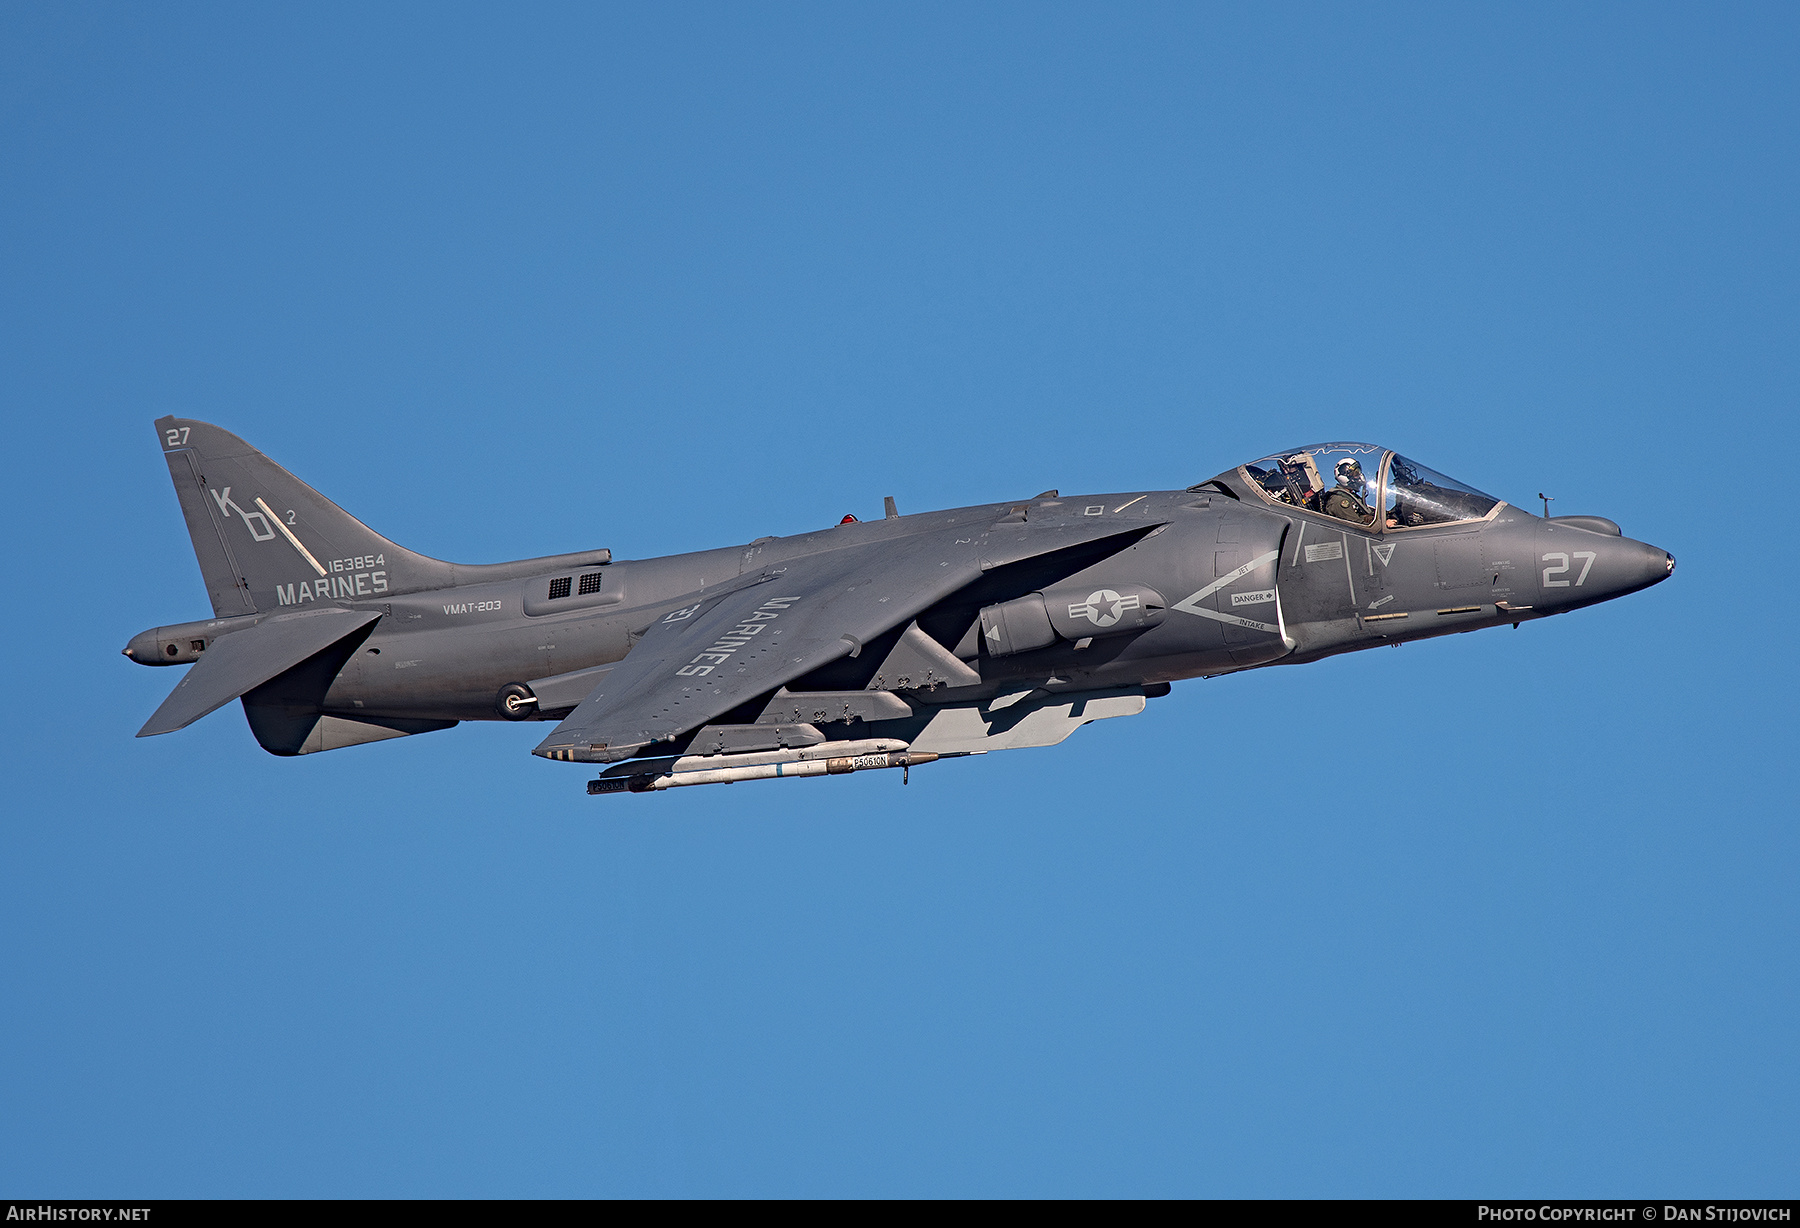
x,y
1363,484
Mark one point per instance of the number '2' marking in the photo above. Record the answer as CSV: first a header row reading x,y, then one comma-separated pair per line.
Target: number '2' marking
x,y
1587,558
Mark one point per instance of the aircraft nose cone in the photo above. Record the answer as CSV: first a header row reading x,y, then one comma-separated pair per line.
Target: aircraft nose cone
x,y
1657,564
1579,565
1637,565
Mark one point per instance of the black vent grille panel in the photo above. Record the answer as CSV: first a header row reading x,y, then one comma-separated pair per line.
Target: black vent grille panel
x,y
560,587
590,583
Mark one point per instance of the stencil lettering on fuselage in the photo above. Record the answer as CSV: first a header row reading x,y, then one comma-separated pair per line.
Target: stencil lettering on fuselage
x,y
1191,603
355,584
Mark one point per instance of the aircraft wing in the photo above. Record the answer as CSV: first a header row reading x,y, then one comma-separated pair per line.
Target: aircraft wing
x,y
727,647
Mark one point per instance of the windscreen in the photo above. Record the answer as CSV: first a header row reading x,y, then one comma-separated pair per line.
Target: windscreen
x,y
1418,496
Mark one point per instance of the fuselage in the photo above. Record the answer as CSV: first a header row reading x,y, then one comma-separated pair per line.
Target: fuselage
x,y
1222,579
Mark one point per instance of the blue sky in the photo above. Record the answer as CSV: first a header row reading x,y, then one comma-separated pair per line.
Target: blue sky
x,y
1507,914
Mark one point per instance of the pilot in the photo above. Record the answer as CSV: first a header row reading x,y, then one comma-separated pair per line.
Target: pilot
x,y
1345,500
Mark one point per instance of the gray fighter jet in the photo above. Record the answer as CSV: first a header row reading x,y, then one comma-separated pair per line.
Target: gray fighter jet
x,y
889,643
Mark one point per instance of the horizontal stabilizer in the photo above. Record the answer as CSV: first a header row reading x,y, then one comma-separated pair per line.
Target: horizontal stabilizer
x,y
244,660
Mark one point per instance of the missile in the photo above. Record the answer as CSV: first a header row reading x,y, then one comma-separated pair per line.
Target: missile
x,y
682,772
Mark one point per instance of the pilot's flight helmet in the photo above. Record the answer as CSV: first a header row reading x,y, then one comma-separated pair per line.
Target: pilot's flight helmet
x,y
1350,475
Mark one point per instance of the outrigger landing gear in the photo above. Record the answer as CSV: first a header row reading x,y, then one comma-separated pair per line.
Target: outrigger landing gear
x,y
516,702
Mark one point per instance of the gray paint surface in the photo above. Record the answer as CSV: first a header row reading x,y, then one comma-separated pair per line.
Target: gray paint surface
x,y
971,629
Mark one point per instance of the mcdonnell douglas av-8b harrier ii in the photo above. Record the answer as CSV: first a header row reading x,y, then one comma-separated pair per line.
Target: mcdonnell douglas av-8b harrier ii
x,y
889,643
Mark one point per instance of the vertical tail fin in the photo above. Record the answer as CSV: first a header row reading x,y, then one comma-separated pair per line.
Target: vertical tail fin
x,y
265,539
